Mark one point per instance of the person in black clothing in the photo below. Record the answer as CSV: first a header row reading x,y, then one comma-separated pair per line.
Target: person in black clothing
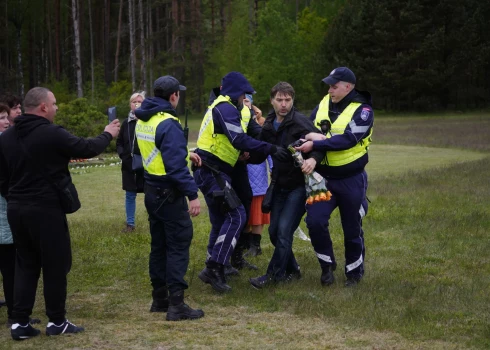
x,y
282,127
33,149
133,181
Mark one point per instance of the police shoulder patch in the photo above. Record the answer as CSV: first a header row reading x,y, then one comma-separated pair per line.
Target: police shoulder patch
x,y
365,113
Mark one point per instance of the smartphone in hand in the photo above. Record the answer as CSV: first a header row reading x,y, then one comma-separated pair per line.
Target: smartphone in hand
x,y
111,113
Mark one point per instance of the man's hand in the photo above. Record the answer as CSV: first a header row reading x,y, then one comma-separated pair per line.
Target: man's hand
x,y
282,154
308,166
113,128
305,147
314,136
244,157
195,159
194,207
257,111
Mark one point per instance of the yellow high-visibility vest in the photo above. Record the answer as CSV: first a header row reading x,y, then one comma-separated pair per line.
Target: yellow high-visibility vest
x,y
145,134
338,158
218,144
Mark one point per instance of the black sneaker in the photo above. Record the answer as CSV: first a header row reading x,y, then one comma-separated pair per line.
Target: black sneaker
x,y
64,328
261,281
10,322
2,303
352,281
22,332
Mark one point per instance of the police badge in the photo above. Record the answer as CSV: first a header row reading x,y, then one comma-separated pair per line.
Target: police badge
x,y
365,113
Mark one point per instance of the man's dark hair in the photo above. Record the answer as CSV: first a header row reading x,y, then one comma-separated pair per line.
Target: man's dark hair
x,y
10,100
4,108
165,95
35,97
284,88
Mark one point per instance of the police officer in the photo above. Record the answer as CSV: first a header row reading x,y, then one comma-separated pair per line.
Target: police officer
x,y
168,181
222,136
345,117
241,185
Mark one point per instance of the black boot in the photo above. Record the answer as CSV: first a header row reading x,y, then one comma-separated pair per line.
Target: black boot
x,y
160,300
231,271
254,249
327,277
237,260
214,274
178,310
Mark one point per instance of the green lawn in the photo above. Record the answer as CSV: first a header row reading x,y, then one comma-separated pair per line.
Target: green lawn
x,y
427,262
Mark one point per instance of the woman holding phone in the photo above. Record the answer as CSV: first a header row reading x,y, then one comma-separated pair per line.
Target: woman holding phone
x,y
127,147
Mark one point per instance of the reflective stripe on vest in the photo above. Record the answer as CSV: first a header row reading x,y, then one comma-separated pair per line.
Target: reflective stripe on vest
x,y
218,144
145,134
338,158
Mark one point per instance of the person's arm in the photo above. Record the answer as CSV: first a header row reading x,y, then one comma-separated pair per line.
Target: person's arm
x,y
358,128
79,147
254,129
305,126
226,120
171,142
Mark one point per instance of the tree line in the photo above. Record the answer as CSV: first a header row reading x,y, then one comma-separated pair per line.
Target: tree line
x,y
415,55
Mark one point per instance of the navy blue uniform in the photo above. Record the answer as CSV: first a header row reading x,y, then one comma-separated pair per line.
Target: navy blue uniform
x,y
170,224
348,184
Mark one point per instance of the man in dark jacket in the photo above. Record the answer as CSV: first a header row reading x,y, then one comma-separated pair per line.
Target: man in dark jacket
x,y
345,117
168,182
33,149
283,126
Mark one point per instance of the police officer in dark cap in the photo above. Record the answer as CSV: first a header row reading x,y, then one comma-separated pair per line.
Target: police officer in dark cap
x,y
168,182
345,117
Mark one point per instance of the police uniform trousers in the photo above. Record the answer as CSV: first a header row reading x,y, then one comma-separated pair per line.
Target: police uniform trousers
x,y
225,227
349,195
42,240
171,235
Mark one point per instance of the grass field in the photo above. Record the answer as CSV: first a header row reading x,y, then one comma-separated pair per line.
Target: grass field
x,y
427,276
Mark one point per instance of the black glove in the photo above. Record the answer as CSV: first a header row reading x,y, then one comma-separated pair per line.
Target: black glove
x,y
282,154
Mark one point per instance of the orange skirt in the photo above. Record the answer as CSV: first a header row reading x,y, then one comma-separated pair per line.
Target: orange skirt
x,y
256,215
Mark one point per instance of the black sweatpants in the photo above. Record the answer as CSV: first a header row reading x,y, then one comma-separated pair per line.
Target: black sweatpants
x,y
7,268
42,240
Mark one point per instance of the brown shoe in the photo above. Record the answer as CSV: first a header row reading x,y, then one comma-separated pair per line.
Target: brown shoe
x,y
128,228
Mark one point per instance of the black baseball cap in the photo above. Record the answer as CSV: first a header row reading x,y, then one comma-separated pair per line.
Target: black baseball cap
x,y
167,85
340,74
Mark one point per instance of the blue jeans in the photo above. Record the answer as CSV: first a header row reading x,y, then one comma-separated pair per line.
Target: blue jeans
x,y
130,207
288,207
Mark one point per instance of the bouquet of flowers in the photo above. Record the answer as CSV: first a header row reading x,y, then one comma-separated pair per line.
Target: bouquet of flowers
x,y
316,185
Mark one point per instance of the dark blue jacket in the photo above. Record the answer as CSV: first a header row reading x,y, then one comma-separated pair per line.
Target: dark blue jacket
x,y
227,121
171,143
363,117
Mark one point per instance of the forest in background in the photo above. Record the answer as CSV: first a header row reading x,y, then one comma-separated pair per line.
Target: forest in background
x,y
415,55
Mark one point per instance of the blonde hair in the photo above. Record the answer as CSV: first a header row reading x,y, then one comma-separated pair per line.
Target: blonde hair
x,y
136,94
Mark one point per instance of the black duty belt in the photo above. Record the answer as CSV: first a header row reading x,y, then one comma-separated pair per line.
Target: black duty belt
x,y
158,191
